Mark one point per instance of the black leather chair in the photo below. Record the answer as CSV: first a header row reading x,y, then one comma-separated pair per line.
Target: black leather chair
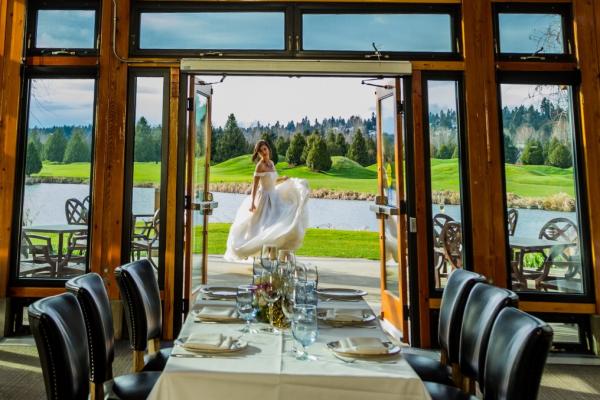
x,y
143,312
92,297
481,311
456,292
60,336
514,362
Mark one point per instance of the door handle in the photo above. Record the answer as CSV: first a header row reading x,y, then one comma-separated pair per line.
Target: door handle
x,y
383,211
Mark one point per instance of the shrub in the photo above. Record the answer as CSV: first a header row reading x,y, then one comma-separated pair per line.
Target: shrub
x,y
560,156
294,152
358,149
533,153
33,161
318,158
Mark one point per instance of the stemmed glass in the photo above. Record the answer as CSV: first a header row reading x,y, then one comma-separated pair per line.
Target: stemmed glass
x,y
312,274
271,288
305,329
246,307
268,256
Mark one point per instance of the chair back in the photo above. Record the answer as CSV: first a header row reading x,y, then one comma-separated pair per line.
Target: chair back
x,y
75,212
459,285
562,229
60,336
92,297
451,239
512,219
516,356
141,297
483,306
439,220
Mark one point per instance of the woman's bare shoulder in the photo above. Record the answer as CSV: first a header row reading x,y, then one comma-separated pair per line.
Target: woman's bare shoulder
x,y
261,166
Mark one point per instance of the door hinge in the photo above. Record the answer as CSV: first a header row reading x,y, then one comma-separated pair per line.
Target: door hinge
x,y
403,207
399,107
190,104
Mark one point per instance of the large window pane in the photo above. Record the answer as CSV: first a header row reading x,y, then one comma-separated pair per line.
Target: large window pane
x,y
56,203
212,30
65,29
389,32
147,161
446,205
543,221
531,33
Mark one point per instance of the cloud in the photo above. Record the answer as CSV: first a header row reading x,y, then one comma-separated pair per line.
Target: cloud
x,y
61,102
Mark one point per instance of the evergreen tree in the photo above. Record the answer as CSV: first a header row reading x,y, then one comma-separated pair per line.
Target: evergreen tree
x,y
56,146
144,145
318,158
274,156
341,144
560,156
295,150
35,141
33,161
282,144
445,151
548,147
332,144
533,154
358,149
371,150
310,141
77,149
511,153
232,143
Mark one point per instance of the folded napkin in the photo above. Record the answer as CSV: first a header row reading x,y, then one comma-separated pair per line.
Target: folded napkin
x,y
208,341
216,313
362,345
344,315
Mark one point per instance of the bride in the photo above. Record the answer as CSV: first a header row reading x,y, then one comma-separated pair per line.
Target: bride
x,y
274,214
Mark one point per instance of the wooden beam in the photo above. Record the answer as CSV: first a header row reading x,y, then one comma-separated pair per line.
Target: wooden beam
x,y
34,292
587,44
52,61
12,23
536,66
438,65
484,143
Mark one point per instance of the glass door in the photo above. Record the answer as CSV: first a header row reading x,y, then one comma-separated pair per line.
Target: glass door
x,y
390,205
198,200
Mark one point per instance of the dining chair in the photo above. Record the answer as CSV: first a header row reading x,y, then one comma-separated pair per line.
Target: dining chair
x,y
514,361
512,217
148,239
481,310
439,261
143,311
60,337
451,238
446,370
92,297
76,213
43,259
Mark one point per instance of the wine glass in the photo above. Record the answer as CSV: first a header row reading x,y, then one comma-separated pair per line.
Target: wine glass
x,y
246,307
271,288
268,256
312,274
304,328
286,258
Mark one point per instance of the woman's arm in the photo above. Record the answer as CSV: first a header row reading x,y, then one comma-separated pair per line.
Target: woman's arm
x,y
254,187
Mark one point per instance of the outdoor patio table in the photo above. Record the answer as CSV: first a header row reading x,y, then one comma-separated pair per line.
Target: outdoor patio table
x,y
59,229
267,369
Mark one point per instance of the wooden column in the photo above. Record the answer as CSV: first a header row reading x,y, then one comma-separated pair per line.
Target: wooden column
x,y
12,27
483,143
109,148
587,44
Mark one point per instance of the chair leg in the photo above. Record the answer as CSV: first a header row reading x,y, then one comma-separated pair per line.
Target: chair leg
x,y
153,345
96,391
138,360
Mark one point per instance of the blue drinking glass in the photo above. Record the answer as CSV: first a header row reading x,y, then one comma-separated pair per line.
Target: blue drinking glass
x,y
304,328
246,305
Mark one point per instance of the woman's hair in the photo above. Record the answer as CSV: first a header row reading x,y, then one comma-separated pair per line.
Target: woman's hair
x,y
257,147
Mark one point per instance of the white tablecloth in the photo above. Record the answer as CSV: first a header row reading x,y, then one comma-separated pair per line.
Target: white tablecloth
x,y
267,370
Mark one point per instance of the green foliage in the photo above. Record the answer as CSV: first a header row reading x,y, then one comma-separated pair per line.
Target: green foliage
x,y
341,144
310,141
270,140
560,156
294,152
358,149
56,146
33,161
77,149
331,144
147,143
282,144
455,153
511,153
318,158
533,153
533,261
34,140
445,151
371,150
231,143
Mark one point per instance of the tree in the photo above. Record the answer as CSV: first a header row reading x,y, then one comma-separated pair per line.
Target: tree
x,y
56,146
33,161
310,141
358,149
268,137
77,149
332,145
318,158
445,151
371,150
295,150
511,153
341,144
143,149
560,156
282,145
35,141
232,142
533,154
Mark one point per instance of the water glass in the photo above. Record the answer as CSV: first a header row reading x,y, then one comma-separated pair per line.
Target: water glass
x,y
312,274
286,258
246,305
304,328
270,290
268,256
305,292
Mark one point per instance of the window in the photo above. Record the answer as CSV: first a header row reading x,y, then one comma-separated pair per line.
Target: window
x,y
529,32
444,138
544,212
212,30
55,212
63,28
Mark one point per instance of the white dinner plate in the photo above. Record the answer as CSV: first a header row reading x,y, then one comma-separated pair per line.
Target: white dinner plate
x,y
222,292
341,293
366,318
236,345
392,350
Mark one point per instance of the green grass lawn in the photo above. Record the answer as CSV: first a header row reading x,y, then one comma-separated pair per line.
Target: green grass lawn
x,y
346,175
317,242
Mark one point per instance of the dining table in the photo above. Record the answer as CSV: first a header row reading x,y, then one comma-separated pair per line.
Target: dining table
x,y
267,369
60,230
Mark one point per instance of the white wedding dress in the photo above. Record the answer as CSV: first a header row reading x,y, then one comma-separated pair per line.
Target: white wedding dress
x,y
280,218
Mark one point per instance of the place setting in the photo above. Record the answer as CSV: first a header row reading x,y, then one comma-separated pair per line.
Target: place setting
x,y
371,349
218,292
208,345
339,318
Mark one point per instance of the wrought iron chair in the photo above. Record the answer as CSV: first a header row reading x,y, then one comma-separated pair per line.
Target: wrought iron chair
x,y
439,262
451,238
512,219
77,213
147,240
44,260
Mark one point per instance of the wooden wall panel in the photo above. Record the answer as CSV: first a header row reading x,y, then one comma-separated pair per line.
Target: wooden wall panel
x,y
483,143
109,151
587,42
12,21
